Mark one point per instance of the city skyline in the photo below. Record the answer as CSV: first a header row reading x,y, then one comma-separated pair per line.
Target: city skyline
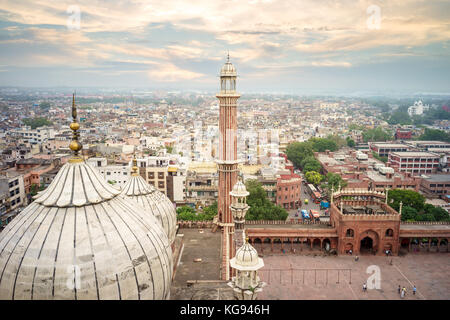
x,y
276,46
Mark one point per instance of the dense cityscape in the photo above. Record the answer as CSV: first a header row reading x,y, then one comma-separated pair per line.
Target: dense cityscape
x,y
187,187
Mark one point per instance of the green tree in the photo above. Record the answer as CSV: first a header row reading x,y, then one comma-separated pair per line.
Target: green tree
x,y
376,134
438,213
209,212
313,177
169,149
350,142
312,165
261,208
334,180
44,105
409,214
37,122
186,213
399,117
323,144
434,135
33,189
409,198
297,151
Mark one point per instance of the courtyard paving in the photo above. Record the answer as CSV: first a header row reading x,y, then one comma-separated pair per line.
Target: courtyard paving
x,y
429,272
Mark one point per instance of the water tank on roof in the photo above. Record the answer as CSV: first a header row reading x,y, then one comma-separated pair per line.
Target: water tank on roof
x,y
339,157
362,156
384,170
377,166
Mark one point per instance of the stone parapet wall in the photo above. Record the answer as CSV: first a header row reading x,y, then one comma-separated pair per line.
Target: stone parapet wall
x,y
209,224
366,217
426,222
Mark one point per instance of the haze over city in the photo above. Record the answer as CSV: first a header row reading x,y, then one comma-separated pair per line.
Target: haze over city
x,y
253,150
301,47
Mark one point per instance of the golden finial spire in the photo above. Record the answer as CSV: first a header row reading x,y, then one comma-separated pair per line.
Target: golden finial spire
x,y
75,145
228,55
134,169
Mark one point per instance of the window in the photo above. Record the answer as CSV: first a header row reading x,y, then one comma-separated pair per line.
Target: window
x,y
160,175
350,233
151,175
108,173
389,233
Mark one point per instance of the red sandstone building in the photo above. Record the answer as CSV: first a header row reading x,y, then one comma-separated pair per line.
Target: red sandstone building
x,y
288,188
288,191
361,222
403,134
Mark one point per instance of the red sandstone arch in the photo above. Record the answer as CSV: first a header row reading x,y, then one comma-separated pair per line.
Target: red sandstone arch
x,y
389,233
350,233
316,243
324,243
348,247
372,235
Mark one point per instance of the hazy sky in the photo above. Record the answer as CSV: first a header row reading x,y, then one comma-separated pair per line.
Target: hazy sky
x,y
286,46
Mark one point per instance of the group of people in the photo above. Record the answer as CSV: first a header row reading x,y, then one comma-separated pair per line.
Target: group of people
x,y
402,291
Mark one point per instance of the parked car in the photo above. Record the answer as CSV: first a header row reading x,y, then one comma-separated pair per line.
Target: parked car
x,y
324,204
305,214
314,214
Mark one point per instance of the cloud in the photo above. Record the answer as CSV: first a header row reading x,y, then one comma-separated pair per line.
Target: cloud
x,y
171,73
180,39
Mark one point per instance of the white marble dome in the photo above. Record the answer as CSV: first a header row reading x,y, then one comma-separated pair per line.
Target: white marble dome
x,y
239,190
154,202
228,69
79,240
246,258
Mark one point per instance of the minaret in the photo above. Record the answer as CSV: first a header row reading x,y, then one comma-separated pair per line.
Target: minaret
x,y
227,159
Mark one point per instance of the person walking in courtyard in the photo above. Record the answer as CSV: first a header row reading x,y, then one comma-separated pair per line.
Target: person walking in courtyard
x,y
399,289
402,295
414,290
364,287
404,292
356,258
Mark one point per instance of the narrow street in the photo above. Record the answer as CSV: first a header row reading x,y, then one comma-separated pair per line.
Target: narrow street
x,y
310,206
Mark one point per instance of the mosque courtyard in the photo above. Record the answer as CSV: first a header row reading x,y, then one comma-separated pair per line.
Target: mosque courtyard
x,y
312,276
305,277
